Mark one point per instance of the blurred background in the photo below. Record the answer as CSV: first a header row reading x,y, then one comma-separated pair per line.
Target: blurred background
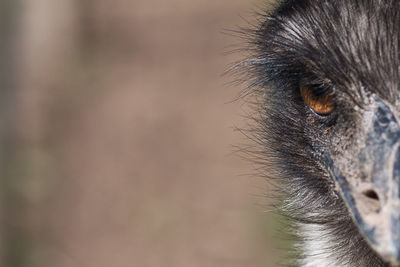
x,y
118,137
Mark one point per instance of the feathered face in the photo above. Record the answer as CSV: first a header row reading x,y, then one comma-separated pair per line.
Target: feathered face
x,y
330,77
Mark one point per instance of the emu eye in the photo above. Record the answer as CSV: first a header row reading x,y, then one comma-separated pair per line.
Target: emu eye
x,y
317,98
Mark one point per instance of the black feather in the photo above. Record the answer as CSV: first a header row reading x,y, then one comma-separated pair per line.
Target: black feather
x,y
349,47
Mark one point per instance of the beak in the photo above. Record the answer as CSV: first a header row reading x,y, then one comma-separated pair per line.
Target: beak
x,y
373,198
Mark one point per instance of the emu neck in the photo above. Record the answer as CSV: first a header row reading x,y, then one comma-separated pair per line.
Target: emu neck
x,y
318,247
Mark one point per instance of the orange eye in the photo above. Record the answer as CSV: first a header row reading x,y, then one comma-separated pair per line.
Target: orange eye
x,y
322,104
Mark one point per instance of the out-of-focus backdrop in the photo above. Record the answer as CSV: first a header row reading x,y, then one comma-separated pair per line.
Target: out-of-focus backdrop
x,y
117,134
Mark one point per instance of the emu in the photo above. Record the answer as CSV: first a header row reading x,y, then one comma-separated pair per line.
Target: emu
x,y
327,79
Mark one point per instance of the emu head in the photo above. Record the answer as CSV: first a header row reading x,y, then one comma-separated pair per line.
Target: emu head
x,y
329,77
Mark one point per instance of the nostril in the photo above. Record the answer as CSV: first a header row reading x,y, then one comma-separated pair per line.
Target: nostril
x,y
371,194
371,201
368,201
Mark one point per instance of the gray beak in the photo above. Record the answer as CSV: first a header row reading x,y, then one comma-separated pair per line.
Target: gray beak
x,y
373,197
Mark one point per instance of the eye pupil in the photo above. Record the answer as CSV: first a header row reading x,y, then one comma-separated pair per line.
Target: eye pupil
x,y
317,98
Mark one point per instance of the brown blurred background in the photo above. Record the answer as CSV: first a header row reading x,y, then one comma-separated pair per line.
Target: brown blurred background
x,y
118,137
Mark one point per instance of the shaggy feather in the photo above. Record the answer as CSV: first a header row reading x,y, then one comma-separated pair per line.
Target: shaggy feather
x,y
351,45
